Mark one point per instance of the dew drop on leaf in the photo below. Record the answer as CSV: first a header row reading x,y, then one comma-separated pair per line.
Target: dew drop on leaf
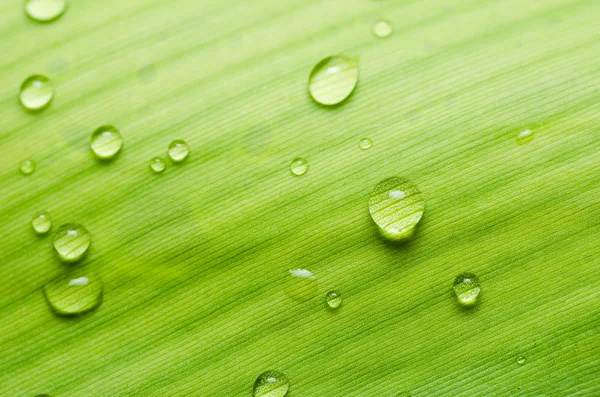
x,y
466,287
157,165
521,360
27,167
333,79
271,384
45,10
106,141
36,92
41,222
299,166
382,28
71,241
178,150
333,299
76,293
365,143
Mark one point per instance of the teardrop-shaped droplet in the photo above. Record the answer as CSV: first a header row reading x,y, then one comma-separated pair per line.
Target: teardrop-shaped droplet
x,y
36,92
396,206
106,142
271,384
524,137
299,166
27,167
301,285
333,79
71,241
365,143
333,299
521,360
75,293
382,28
41,222
45,10
178,150
466,287
157,165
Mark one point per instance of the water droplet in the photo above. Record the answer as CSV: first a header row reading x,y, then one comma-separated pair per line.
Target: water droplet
x,y
396,206
36,92
301,285
299,166
157,165
41,222
334,299
71,241
466,287
333,79
365,143
45,10
525,137
382,28
75,293
106,142
27,167
521,360
271,384
178,150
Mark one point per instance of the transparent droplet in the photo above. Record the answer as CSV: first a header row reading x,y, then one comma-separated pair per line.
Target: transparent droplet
x,y
301,285
271,384
41,222
45,10
333,79
466,287
178,150
27,167
333,299
36,92
365,143
299,166
524,137
71,241
106,142
382,28
75,293
396,206
521,360
157,165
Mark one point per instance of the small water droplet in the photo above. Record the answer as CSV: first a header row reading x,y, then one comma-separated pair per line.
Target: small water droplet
x,y
382,28
521,360
41,222
299,166
466,287
71,241
157,165
106,142
365,143
333,79
396,206
75,293
178,150
27,167
301,285
524,137
333,299
45,10
36,92
271,384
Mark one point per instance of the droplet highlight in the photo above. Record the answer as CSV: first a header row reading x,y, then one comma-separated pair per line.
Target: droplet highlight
x,y
106,141
36,93
41,222
178,150
466,287
27,167
396,206
75,293
45,10
521,360
299,166
333,299
71,241
524,137
333,79
271,384
365,143
382,28
157,165
301,285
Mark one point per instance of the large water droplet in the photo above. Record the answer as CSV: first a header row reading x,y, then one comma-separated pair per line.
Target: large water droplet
x,y
365,143
524,137
45,10
41,222
75,293
333,79
271,384
106,142
71,241
396,206
333,299
466,287
157,165
36,92
178,150
382,28
301,285
27,167
299,166
521,360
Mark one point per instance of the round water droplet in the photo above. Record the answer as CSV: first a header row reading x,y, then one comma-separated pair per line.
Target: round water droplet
x,y
271,384
333,79
466,287
524,137
27,167
178,150
396,206
41,222
45,10
106,142
301,285
365,143
521,360
36,92
71,241
333,299
299,166
382,28
157,165
76,293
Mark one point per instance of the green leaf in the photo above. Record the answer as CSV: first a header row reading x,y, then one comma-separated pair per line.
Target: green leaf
x,y
194,260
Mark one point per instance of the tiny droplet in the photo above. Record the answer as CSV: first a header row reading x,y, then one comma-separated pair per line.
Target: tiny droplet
x,y
365,143
333,79
382,28
271,384
36,92
333,299
301,285
45,10
41,222
157,165
75,293
466,287
27,167
178,150
299,166
524,137
106,142
71,241
521,360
